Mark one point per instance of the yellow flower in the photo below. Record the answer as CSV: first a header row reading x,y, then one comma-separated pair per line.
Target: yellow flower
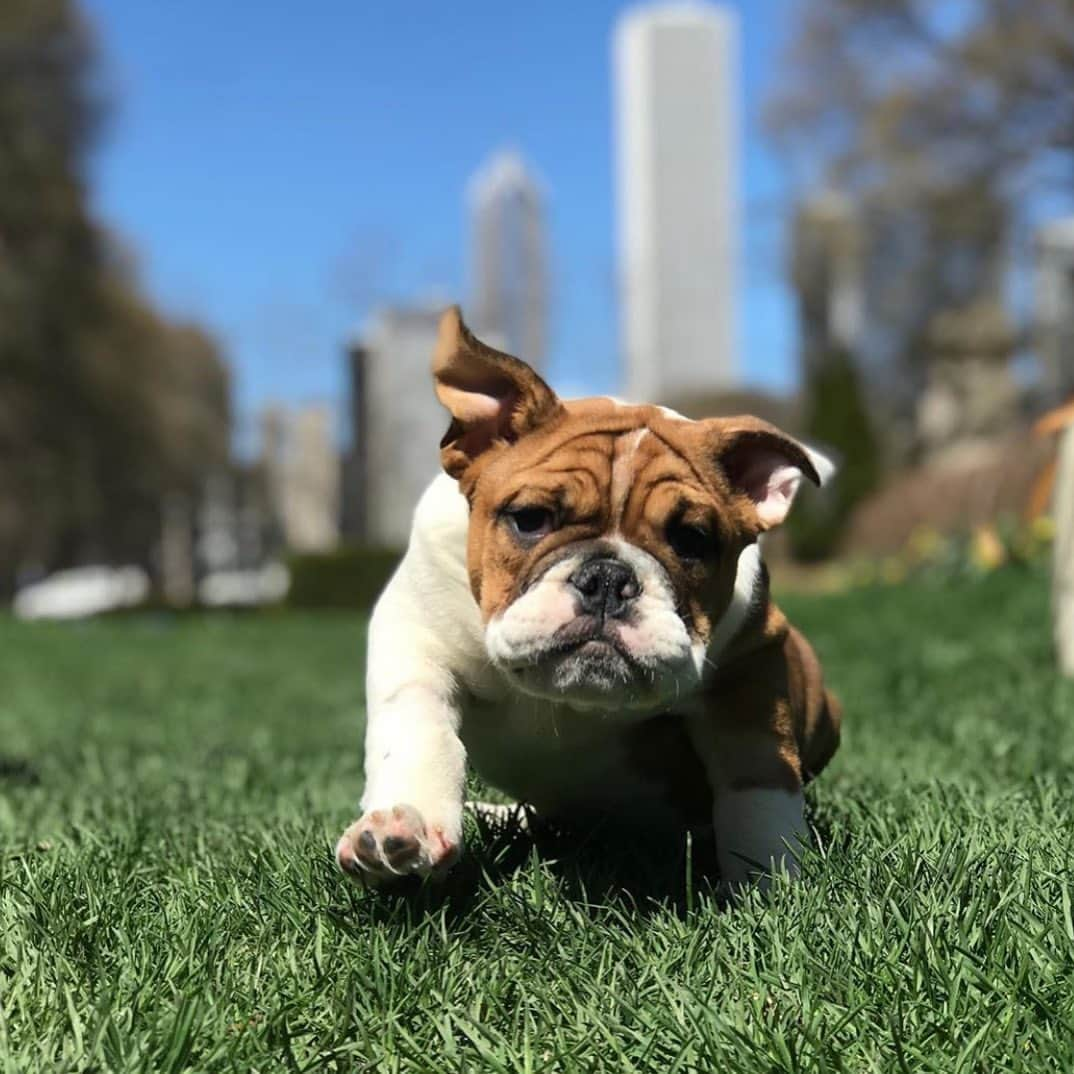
x,y
892,571
924,544
1043,529
987,551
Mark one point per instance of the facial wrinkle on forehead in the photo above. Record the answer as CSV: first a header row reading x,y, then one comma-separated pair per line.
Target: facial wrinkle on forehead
x,y
626,446
699,476
609,430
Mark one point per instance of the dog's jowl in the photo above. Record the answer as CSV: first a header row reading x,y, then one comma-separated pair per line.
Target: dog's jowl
x,y
583,615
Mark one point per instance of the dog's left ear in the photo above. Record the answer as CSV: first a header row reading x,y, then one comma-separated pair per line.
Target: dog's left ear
x,y
765,464
491,395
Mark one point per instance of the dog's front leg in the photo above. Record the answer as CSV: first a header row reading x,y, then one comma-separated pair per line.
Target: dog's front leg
x,y
759,831
415,763
758,805
411,821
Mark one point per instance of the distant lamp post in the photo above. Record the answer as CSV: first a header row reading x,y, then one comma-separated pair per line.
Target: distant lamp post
x,y
1061,422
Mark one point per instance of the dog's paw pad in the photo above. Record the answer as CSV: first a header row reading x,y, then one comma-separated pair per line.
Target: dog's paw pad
x,y
390,843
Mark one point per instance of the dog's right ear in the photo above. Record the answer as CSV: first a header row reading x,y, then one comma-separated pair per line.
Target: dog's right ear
x,y
492,397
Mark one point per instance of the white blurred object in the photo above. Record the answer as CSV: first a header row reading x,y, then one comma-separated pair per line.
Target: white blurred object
x,y
244,588
81,592
1063,569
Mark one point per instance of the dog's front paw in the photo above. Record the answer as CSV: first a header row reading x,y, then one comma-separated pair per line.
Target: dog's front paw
x,y
385,844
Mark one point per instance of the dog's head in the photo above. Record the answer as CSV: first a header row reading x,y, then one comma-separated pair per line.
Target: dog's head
x,y
611,547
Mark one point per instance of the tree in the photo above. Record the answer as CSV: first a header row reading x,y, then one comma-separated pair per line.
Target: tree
x,y
837,418
49,257
947,124
929,96
104,405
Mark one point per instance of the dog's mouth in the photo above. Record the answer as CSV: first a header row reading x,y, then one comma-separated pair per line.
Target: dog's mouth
x,y
587,640
582,660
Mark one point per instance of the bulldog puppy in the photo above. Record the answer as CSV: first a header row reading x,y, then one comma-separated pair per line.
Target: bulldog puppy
x,y
582,614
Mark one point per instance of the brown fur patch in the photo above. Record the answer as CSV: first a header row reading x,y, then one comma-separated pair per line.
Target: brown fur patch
x,y
570,467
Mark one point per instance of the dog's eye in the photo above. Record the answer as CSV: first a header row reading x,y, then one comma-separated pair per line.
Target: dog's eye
x,y
688,541
531,523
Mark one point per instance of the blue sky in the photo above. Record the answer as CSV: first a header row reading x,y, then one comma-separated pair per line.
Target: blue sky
x,y
276,166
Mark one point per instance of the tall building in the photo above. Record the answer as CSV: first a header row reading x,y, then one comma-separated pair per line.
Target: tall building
x,y
301,468
676,103
399,420
509,305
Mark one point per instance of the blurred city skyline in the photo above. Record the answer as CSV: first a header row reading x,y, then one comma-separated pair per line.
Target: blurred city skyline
x,y
280,207
278,180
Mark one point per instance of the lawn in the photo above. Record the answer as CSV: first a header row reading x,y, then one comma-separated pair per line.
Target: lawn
x,y
170,789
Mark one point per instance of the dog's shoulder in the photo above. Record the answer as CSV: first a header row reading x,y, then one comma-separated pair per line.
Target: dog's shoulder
x,y
442,516
427,615
435,559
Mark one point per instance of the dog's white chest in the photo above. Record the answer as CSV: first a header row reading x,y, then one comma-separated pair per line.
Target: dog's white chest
x,y
565,762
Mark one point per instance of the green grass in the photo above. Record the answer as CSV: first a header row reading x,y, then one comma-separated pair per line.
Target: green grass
x,y
169,791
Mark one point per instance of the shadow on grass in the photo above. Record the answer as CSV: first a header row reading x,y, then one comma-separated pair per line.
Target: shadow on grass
x,y
18,772
600,869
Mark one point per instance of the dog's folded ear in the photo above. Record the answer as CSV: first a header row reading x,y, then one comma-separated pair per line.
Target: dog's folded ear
x,y
491,395
765,464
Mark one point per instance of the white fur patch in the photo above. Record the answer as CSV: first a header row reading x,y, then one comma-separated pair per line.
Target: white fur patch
x,y
672,415
758,830
623,471
824,466
525,626
747,580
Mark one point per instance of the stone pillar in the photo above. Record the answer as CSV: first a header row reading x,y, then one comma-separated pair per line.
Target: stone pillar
x,y
970,395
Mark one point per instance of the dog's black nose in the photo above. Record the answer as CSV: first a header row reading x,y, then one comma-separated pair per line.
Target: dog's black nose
x,y
606,587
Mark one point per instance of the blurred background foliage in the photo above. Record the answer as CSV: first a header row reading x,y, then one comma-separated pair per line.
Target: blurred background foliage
x,y
836,415
951,125
349,577
105,404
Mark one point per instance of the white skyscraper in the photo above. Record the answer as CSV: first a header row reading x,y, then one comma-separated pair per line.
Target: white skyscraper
x,y
400,422
676,89
509,307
